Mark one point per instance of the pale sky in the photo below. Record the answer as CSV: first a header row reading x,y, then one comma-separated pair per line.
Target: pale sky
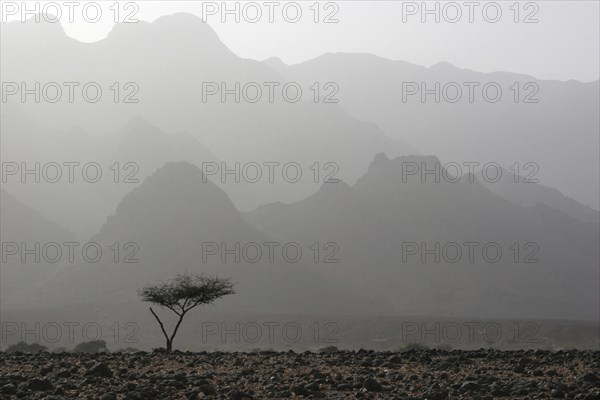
x,y
564,44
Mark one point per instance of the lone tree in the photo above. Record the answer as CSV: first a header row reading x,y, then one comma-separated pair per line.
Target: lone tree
x,y
182,294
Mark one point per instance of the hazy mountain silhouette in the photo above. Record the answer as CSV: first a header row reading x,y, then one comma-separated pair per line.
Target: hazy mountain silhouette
x,y
176,210
527,194
372,219
170,207
138,147
22,223
24,227
280,131
169,217
370,90
559,133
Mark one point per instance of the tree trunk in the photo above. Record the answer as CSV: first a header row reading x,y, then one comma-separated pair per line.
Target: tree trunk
x,y
170,340
162,328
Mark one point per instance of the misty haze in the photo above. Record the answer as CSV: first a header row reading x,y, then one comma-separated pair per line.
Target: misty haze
x,y
250,200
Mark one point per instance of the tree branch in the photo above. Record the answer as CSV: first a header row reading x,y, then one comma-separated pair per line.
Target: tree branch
x,y
172,309
177,326
160,323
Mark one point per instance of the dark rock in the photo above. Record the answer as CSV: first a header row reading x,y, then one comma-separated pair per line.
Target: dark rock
x,y
372,385
436,393
208,390
36,384
64,374
470,385
590,377
239,395
180,377
101,369
301,391
9,388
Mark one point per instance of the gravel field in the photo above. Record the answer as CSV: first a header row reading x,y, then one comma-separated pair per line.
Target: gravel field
x,y
416,374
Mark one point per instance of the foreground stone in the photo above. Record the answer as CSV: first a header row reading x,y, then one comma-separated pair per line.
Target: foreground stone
x,y
417,374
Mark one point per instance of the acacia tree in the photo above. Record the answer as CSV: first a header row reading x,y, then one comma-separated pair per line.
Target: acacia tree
x,y
182,294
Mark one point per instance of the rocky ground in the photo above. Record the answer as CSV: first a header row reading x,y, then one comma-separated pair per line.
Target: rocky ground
x,y
417,374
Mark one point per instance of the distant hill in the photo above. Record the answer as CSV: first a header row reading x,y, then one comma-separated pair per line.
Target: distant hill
x,y
22,223
559,131
24,227
171,80
372,219
168,218
124,158
522,191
